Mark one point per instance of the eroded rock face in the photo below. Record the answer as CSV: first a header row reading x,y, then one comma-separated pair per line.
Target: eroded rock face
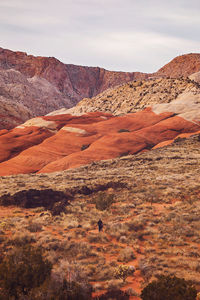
x,y
73,81
44,84
195,77
14,141
12,113
22,98
38,85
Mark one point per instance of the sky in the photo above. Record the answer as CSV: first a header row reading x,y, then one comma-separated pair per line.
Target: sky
x,y
120,35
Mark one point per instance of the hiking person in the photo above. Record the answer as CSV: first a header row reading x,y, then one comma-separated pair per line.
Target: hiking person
x,y
100,225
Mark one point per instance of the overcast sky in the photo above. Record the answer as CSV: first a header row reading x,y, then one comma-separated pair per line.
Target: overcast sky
x,y
124,35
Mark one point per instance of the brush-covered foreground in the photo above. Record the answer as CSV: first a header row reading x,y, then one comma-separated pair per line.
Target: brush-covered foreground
x,y
151,220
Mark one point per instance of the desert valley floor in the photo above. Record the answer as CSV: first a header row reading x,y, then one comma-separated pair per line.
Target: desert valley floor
x,y
152,225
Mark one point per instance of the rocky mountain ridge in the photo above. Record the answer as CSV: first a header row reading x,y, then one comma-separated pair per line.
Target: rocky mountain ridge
x,y
43,84
183,65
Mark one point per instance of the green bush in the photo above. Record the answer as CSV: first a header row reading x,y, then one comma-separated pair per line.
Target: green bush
x,y
168,288
22,270
103,201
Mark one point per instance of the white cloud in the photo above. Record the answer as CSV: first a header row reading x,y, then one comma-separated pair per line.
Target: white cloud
x,y
124,35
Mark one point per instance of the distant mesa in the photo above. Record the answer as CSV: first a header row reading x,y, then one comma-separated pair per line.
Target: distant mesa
x,y
34,86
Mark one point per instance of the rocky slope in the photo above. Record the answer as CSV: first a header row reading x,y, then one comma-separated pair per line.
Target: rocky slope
x,y
73,81
195,77
168,169
153,224
183,65
44,84
134,96
12,113
22,98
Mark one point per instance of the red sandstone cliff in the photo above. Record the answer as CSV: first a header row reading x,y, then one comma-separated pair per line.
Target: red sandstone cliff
x,y
38,85
183,65
75,82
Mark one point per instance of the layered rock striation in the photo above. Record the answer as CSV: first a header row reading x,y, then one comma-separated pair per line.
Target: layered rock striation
x,y
60,142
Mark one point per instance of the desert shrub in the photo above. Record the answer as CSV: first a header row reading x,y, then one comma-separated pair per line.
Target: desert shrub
x,y
126,255
114,294
34,227
117,230
1,239
68,281
21,239
135,225
103,201
22,270
168,288
104,273
73,291
62,290
123,271
146,268
33,198
124,153
94,238
85,146
123,130
58,208
81,249
114,284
